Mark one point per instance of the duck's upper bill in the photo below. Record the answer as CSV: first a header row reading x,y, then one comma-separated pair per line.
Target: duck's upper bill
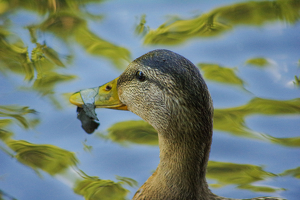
x,y
105,96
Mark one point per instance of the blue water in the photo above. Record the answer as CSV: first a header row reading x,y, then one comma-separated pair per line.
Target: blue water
x,y
277,41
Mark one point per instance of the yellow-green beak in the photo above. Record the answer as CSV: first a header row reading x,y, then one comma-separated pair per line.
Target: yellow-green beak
x,y
105,96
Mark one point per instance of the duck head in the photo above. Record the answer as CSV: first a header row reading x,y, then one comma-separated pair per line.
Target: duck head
x,y
163,88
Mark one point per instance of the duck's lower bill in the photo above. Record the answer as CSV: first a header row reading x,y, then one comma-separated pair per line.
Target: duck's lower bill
x,y
105,96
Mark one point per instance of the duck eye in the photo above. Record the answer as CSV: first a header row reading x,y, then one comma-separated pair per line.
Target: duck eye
x,y
140,76
108,87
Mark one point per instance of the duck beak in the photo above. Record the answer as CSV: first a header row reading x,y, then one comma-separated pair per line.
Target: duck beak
x,y
105,96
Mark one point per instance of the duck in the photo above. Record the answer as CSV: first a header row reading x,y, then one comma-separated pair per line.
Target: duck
x,y
168,91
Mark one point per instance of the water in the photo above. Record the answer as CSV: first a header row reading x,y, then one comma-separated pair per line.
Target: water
x,y
50,50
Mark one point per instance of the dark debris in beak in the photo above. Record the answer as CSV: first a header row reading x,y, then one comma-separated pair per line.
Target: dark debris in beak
x,y
87,116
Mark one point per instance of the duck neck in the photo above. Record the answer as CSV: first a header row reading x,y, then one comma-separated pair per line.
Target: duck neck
x,y
183,163
184,142
182,168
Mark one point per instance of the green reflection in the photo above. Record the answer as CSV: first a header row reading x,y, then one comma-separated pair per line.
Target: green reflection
x,y
48,158
289,142
292,172
132,132
13,114
242,175
4,123
19,114
42,51
222,19
98,46
232,120
127,181
220,74
5,135
297,81
141,28
93,188
14,56
48,6
4,195
259,62
68,26
87,148
100,189
43,62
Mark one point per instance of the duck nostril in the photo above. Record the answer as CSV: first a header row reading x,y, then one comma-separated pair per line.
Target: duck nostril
x,y
108,87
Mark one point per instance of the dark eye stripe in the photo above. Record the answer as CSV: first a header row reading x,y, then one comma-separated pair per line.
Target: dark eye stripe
x,y
140,76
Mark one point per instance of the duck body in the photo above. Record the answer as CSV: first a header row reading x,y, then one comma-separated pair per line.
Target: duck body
x,y
168,91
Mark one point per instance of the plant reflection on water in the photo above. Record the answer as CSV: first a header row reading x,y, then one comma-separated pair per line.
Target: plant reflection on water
x,y
43,70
